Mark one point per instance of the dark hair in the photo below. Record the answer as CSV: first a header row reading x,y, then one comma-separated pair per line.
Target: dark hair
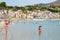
x,y
40,26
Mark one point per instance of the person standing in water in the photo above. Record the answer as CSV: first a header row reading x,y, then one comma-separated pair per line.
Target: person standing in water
x,y
7,22
40,32
40,28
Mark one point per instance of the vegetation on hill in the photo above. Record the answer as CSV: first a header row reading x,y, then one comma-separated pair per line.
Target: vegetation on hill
x,y
51,7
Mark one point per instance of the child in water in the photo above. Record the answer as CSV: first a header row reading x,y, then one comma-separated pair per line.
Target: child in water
x,y
40,28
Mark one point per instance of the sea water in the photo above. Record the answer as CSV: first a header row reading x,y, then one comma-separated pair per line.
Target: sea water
x,y
28,30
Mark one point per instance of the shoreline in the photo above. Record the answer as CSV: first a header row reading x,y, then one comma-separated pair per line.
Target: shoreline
x,y
44,19
31,19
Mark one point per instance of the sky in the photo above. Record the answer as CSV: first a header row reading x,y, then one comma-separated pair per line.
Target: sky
x,y
25,2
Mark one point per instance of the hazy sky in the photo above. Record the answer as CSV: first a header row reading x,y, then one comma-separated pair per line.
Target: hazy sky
x,y
25,2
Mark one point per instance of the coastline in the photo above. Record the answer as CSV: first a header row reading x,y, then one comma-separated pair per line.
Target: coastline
x,y
40,20
44,19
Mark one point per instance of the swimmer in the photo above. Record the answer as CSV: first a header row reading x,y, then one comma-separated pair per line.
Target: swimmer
x,y
40,28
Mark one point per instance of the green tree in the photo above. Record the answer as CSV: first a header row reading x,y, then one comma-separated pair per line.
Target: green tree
x,y
30,8
3,5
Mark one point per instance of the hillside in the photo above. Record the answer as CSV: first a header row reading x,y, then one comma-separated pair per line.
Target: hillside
x,y
56,4
53,7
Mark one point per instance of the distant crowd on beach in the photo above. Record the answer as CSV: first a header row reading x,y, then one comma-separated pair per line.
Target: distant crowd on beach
x,y
36,14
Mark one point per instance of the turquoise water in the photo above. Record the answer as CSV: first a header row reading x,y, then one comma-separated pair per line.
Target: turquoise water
x,y
29,30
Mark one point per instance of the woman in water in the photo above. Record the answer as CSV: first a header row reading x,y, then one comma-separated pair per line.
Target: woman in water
x,y
40,32
40,28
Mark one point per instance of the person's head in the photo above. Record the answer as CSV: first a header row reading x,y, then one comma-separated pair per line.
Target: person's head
x,y
40,26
